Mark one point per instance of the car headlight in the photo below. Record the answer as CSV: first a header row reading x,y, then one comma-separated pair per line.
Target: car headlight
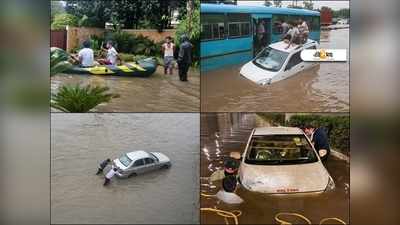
x,y
264,81
331,185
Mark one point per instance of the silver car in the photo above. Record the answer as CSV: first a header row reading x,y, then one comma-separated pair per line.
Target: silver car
x,y
137,162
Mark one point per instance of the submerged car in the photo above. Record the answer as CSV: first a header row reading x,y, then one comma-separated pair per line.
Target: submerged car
x,y
275,63
282,160
137,162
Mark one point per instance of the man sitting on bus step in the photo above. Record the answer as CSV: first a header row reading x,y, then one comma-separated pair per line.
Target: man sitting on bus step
x,y
293,35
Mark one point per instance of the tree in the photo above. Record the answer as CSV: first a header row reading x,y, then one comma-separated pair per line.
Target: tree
x,y
56,7
62,20
308,4
278,3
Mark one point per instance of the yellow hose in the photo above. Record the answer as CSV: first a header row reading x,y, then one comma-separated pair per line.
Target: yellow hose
x,y
225,214
290,214
335,219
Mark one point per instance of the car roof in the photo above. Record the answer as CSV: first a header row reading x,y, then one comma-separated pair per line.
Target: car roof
x,y
277,130
135,155
281,46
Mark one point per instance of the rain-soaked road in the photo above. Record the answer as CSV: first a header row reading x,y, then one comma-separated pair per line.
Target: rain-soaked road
x,y
224,133
324,88
157,93
80,141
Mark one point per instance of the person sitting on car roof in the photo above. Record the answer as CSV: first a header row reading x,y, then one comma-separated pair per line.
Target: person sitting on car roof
x,y
293,35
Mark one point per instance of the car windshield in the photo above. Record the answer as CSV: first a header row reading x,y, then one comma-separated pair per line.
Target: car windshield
x,y
280,150
270,59
125,160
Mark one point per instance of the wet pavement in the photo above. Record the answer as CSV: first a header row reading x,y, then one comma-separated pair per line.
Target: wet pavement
x,y
80,141
157,93
223,133
324,88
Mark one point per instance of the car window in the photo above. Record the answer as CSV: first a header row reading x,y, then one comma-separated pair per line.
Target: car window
x,y
270,59
149,160
280,149
125,160
139,162
294,60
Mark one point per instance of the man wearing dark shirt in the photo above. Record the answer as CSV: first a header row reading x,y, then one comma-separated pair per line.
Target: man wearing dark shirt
x,y
102,166
319,138
184,57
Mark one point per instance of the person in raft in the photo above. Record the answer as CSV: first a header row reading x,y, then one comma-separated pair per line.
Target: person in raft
x,y
168,49
103,165
85,57
112,55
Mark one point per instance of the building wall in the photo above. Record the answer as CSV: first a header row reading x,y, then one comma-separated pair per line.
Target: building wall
x,y
77,35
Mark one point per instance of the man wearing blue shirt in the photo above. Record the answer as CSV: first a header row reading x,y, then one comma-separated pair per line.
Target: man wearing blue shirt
x,y
320,140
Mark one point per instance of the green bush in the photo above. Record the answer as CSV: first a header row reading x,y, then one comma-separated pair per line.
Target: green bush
x,y
275,119
337,128
76,99
134,44
61,20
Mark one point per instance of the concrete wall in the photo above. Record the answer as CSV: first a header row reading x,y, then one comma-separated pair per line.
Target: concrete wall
x,y
76,35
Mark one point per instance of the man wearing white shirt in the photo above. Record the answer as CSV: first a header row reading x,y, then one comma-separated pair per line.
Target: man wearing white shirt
x,y
109,175
86,55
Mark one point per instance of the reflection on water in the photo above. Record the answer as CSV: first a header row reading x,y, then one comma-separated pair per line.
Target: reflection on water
x,y
80,141
324,88
157,93
224,133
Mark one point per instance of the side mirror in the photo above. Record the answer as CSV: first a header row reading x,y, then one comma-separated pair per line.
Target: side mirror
x,y
322,153
236,155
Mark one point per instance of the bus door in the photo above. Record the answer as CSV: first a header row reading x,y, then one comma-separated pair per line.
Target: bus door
x,y
262,30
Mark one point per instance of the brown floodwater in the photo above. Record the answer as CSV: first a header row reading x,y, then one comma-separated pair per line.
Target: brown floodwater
x,y
222,133
157,93
80,141
324,88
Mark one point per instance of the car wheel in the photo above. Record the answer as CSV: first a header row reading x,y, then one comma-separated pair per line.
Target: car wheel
x,y
166,166
132,175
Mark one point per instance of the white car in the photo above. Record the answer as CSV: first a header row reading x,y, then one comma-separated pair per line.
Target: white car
x,y
282,160
275,63
137,162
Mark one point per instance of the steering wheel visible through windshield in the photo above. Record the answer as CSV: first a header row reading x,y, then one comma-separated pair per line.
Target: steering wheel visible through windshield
x,y
271,59
280,149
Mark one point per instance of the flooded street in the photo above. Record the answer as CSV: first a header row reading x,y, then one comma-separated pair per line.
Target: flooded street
x,y
80,141
324,88
157,93
224,133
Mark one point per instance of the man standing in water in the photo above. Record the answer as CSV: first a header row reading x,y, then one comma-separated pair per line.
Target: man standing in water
x,y
103,165
319,138
109,175
184,57
227,194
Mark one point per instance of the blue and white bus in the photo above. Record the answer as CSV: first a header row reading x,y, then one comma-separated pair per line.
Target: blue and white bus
x,y
229,32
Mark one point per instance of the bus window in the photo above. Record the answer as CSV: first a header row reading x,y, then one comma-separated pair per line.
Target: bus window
x,y
277,20
308,20
238,25
212,27
315,25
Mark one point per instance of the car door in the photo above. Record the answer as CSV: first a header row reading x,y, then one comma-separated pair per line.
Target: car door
x,y
150,164
138,166
295,64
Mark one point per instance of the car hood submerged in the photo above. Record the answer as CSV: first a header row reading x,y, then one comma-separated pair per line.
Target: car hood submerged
x,y
257,74
284,179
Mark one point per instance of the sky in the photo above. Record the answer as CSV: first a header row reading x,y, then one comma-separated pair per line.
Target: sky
x,y
335,5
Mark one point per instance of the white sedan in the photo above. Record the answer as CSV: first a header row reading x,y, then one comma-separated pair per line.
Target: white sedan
x,y
137,162
282,160
275,63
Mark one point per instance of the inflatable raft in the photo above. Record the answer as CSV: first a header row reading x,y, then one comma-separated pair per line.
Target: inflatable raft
x,y
143,68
